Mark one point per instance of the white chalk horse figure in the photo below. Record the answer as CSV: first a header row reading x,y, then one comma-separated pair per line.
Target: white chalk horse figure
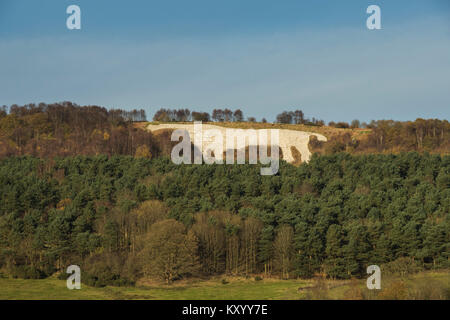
x,y
287,138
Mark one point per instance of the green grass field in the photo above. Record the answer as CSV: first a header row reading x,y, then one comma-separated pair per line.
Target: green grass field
x,y
236,289
202,290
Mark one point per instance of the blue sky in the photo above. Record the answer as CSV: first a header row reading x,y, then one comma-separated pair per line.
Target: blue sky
x,y
261,56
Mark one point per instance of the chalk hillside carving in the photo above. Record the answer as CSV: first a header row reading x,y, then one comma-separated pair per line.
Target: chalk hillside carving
x,y
287,138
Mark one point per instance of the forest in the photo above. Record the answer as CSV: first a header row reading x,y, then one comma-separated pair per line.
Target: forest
x,y
84,185
64,129
121,218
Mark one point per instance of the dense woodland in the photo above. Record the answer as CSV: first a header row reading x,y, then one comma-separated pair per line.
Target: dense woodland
x,y
63,129
122,218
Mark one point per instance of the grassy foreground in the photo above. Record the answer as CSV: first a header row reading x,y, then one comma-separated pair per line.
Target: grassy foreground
x,y
431,285
203,290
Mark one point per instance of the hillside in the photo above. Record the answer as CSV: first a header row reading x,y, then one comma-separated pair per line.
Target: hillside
x,y
324,130
93,187
383,136
64,129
